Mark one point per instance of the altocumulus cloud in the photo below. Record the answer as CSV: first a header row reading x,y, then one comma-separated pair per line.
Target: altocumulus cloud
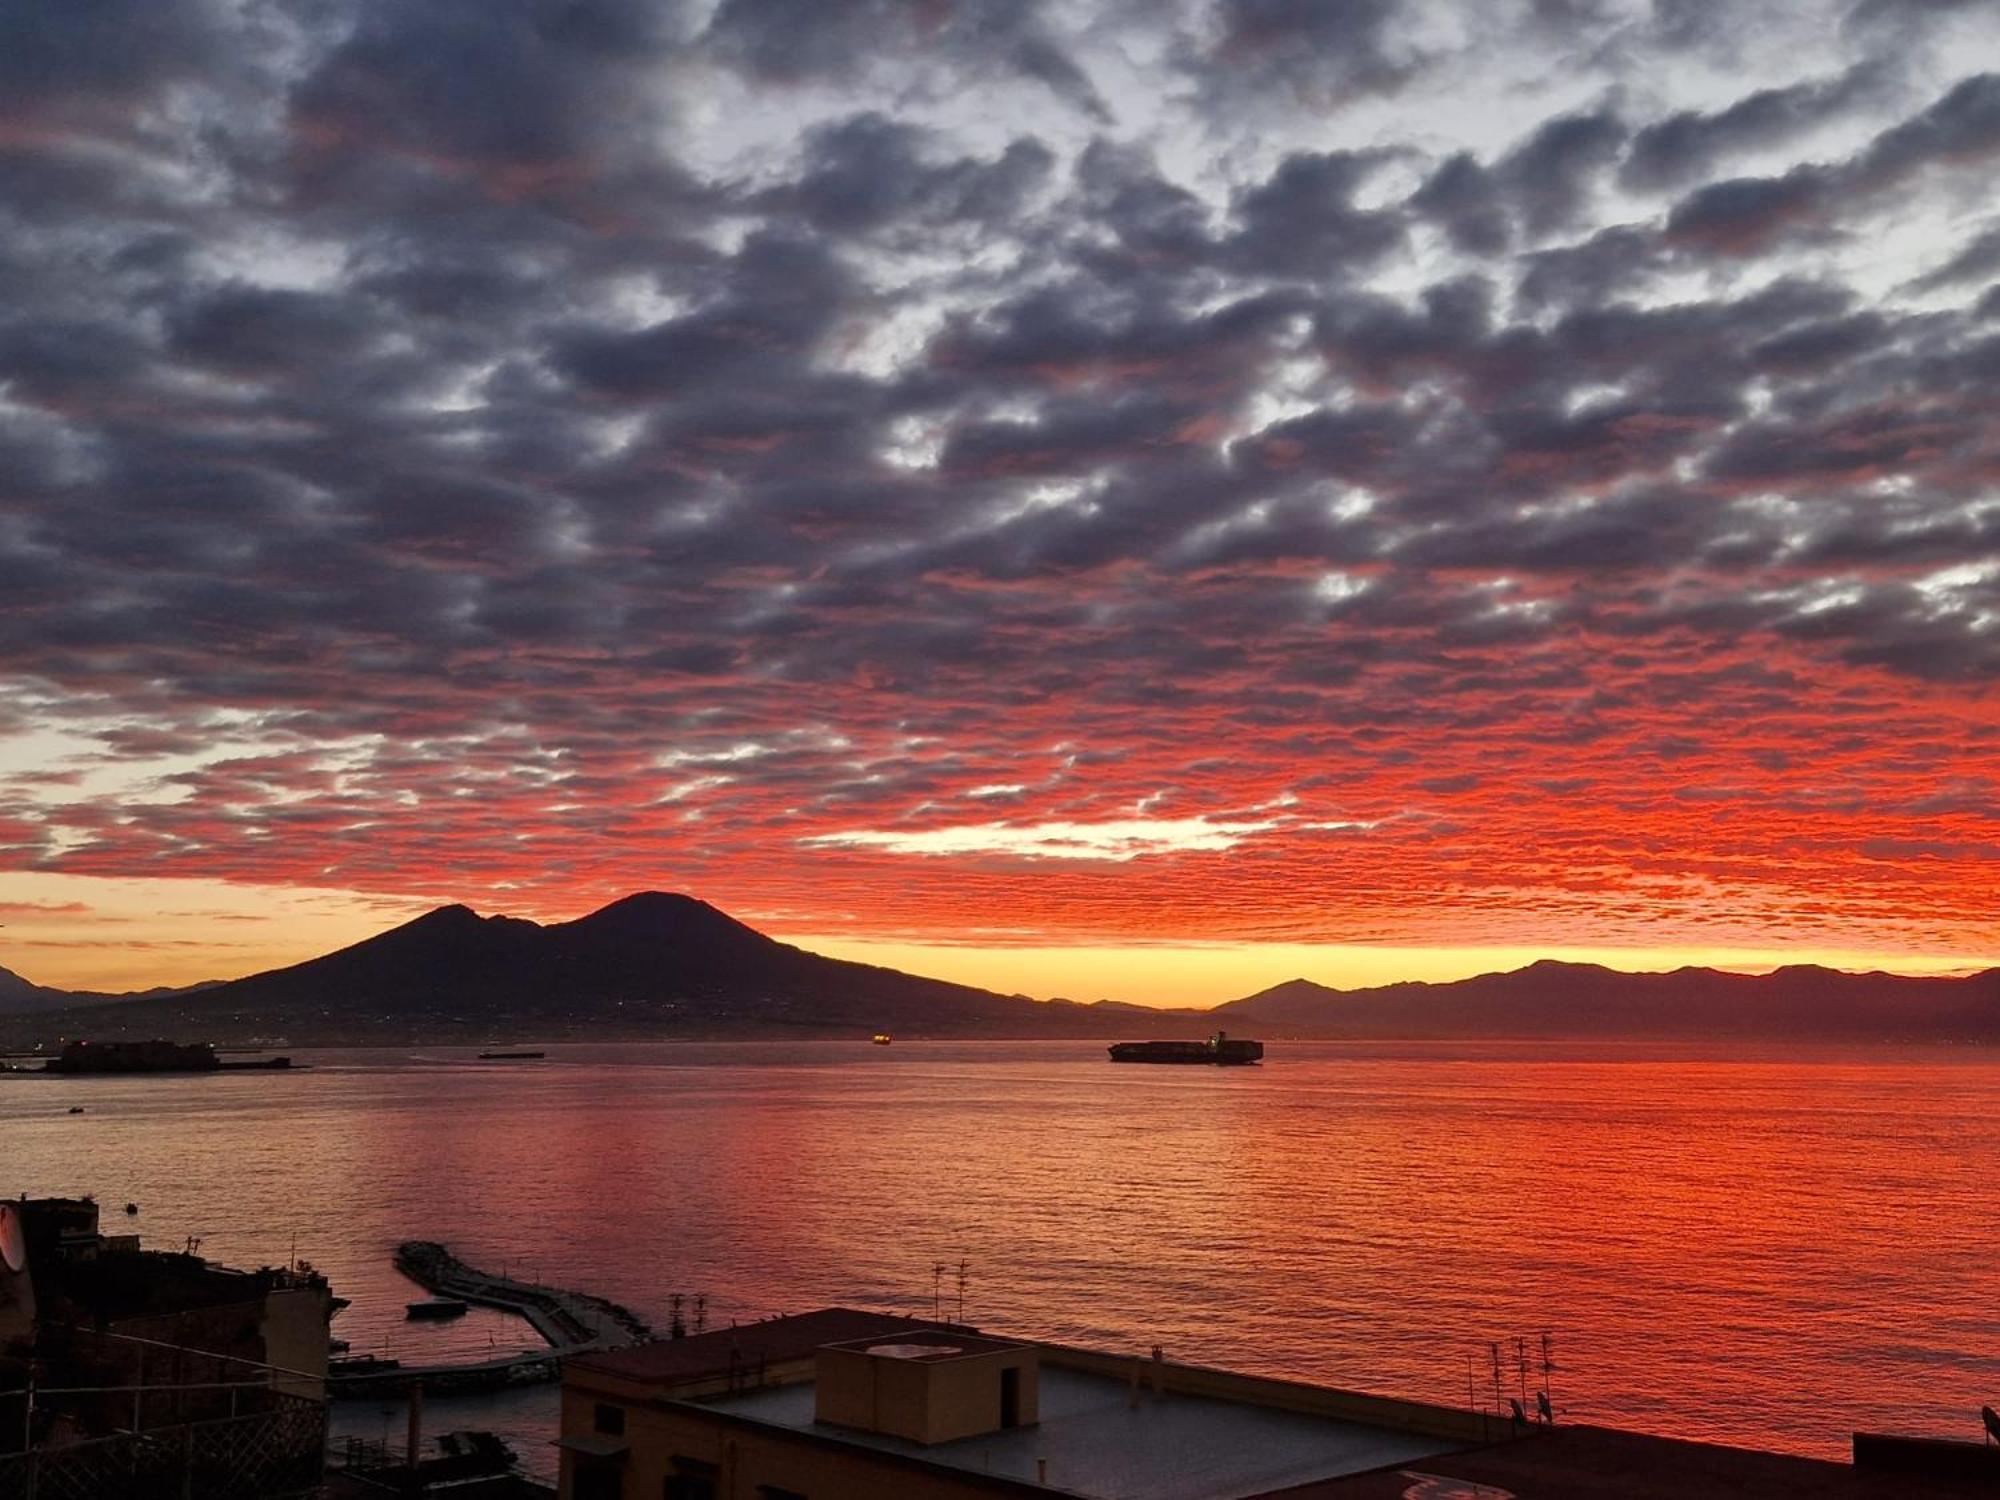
x,y
436,439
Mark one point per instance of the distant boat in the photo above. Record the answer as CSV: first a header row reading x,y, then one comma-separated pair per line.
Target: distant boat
x,y
881,1039
434,1308
1218,1049
509,1056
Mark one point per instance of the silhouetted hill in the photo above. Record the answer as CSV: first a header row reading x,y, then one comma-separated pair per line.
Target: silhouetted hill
x,y
658,965
17,993
22,997
648,965
1551,999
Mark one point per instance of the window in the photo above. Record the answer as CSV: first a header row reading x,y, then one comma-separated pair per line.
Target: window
x,y
692,1479
609,1419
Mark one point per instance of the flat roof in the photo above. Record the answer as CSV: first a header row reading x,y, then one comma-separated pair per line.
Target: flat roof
x,y
1602,1463
1170,1447
668,1362
928,1347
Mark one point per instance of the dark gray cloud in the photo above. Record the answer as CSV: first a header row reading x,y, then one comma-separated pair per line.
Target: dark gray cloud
x,y
520,87
1320,54
1692,143
115,50
868,172
1539,186
1960,131
799,41
1302,221
774,303
1978,259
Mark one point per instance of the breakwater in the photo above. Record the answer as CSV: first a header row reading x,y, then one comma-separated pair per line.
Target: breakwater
x,y
570,1322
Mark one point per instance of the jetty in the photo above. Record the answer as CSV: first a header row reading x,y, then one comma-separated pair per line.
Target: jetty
x,y
569,1322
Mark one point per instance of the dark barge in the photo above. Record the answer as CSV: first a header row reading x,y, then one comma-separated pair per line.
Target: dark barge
x,y
1218,1049
154,1056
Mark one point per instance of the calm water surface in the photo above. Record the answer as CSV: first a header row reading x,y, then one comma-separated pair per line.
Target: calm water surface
x,y
1773,1251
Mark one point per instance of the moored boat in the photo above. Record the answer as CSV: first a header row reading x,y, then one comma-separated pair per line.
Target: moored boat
x,y
434,1308
1218,1049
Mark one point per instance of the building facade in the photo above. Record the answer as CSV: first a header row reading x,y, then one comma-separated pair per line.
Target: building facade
x,y
845,1405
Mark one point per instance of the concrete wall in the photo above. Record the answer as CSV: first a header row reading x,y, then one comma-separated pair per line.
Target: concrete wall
x,y
965,1394
748,1454
296,1323
749,1377
925,1401
855,1389
1446,1422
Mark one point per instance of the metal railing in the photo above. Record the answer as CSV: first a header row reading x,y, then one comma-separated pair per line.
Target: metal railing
x,y
267,1455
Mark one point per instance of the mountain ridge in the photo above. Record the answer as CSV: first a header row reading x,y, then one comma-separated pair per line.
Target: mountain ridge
x,y
21,996
1551,999
652,963
658,963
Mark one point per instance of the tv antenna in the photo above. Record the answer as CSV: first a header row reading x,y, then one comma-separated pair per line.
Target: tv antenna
x,y
964,1267
937,1291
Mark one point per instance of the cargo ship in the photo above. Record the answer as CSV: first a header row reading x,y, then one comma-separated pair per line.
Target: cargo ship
x,y
1217,1049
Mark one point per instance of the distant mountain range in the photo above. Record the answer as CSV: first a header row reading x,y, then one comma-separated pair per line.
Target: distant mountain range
x,y
20,997
658,965
648,965
1551,1000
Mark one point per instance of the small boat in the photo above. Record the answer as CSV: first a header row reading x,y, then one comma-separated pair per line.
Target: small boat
x,y
509,1056
433,1308
337,1346
1218,1049
881,1039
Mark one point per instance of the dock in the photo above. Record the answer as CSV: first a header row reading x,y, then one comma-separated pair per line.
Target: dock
x,y
569,1322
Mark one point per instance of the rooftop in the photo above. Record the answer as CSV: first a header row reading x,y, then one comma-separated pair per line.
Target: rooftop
x,y
1591,1463
747,1345
925,1346
1214,1435
1170,1447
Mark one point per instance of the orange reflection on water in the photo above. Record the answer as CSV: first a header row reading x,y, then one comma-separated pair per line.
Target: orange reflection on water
x,y
1773,1251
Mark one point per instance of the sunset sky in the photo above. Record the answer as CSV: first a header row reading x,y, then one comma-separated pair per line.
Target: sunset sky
x,y
1140,498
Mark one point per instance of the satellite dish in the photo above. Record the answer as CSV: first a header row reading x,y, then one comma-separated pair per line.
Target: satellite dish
x,y
13,1240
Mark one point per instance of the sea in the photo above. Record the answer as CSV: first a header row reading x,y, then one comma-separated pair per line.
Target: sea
x,y
1772,1249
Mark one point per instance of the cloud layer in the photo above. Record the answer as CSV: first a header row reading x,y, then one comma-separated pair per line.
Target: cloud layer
x,y
1396,472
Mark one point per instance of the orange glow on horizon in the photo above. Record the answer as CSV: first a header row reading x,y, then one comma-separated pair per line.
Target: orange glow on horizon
x,y
75,932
